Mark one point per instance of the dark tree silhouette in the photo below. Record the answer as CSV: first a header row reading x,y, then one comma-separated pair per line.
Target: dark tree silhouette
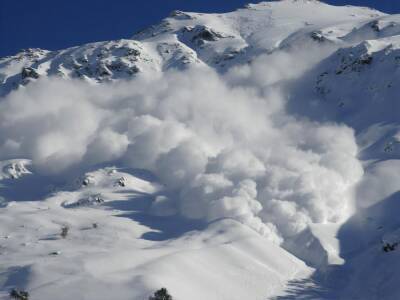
x,y
161,294
19,295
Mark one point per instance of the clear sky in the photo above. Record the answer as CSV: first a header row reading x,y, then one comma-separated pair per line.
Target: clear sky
x,y
57,24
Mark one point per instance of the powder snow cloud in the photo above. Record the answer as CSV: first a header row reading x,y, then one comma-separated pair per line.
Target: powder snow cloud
x,y
222,144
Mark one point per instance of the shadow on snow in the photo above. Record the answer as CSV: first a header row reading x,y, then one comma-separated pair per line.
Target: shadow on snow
x,y
360,233
137,208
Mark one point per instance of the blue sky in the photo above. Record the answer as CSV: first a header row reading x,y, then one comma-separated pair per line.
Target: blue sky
x,y
56,24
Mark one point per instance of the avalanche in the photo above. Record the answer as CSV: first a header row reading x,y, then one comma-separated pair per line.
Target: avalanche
x,y
246,155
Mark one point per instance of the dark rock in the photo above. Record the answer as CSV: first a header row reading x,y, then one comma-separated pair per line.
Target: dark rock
x,y
365,60
133,52
133,70
116,66
29,72
91,200
180,15
121,182
207,34
375,26
103,71
201,34
317,36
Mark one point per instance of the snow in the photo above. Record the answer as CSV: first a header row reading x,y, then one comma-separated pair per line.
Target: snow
x,y
14,168
246,155
123,257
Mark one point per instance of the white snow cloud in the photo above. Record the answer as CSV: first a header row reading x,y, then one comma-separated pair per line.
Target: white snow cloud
x,y
223,142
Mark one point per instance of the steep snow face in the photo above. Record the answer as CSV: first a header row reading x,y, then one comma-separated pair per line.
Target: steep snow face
x,y
211,146
351,84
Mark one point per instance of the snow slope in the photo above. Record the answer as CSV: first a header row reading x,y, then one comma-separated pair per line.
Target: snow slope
x,y
246,155
114,249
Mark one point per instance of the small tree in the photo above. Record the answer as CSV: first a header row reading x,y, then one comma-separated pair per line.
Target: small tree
x,y
161,294
19,295
64,231
387,247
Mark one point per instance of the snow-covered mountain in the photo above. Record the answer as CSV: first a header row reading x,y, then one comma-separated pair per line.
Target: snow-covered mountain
x,y
216,40
245,155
